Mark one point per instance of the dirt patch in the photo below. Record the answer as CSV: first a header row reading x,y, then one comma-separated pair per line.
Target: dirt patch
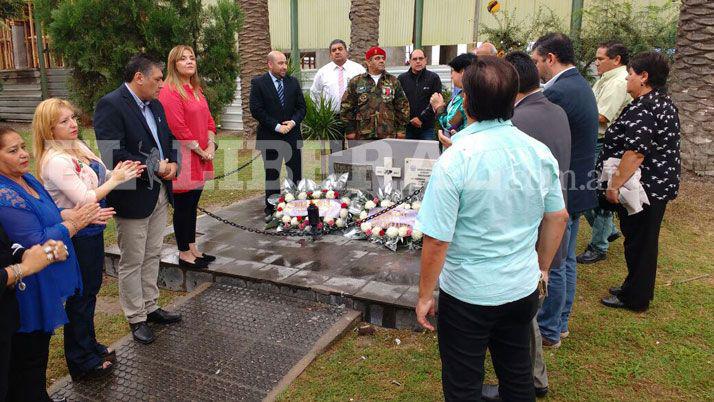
x,y
108,305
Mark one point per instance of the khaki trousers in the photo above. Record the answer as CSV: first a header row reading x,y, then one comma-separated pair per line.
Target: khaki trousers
x,y
140,242
540,373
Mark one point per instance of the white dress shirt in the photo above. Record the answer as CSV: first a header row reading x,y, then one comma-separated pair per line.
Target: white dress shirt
x,y
327,84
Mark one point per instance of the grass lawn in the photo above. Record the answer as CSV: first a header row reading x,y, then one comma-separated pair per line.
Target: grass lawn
x,y
666,353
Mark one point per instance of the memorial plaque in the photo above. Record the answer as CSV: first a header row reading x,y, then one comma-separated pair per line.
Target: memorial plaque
x,y
360,176
417,171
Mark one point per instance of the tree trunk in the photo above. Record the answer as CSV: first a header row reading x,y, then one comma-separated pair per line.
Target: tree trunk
x,y
364,16
692,84
254,46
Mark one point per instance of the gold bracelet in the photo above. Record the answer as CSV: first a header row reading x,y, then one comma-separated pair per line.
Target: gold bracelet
x,y
74,226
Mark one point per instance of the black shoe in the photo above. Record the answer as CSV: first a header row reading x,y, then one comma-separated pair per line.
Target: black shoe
x,y
197,264
206,257
161,316
614,237
590,256
541,392
58,399
615,302
96,372
142,333
489,392
268,218
615,290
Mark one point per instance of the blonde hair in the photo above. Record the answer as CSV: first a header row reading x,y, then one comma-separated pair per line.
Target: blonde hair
x,y
172,75
47,115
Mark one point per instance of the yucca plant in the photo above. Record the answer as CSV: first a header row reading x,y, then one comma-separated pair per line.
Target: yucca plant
x,y
320,121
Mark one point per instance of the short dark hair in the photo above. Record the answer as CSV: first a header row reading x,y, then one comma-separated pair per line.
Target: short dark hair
x,y
528,78
614,49
5,130
335,42
460,62
419,49
140,63
494,82
557,43
655,64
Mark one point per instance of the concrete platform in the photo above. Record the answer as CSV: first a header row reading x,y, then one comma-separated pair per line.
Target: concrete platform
x,y
233,344
381,284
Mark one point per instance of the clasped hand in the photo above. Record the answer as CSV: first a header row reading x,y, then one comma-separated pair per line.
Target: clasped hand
x,y
286,126
167,170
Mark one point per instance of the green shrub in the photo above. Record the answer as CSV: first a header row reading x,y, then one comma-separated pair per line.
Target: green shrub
x,y
96,38
320,121
512,34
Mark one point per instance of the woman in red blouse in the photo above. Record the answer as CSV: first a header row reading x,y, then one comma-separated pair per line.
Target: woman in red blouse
x,y
191,123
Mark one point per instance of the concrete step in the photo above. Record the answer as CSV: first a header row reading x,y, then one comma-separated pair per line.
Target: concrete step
x,y
232,344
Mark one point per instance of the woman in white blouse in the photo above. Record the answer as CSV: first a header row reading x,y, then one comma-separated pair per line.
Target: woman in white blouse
x,y
74,176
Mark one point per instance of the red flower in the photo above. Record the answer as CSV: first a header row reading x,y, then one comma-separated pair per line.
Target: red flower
x,y
368,232
309,193
409,232
299,218
337,195
280,209
381,233
324,190
77,166
281,199
344,205
320,226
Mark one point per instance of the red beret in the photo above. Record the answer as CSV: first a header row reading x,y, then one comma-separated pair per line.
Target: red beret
x,y
373,51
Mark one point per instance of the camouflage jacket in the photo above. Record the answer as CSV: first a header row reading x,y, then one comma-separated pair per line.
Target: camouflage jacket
x,y
374,111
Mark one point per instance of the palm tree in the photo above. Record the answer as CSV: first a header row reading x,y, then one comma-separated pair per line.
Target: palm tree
x,y
364,16
692,84
254,46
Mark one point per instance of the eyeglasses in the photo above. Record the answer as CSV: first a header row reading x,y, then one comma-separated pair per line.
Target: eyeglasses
x,y
418,58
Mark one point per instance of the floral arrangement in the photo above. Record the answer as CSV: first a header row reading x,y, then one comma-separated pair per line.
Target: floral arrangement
x,y
391,229
292,203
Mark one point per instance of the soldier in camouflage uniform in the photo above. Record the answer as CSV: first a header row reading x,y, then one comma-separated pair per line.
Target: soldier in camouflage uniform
x,y
370,110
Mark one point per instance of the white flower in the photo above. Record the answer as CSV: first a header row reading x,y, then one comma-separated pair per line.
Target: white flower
x,y
330,194
386,204
339,223
369,205
282,205
416,205
392,232
316,194
302,196
403,230
345,200
376,230
416,235
286,219
278,214
294,221
343,213
289,197
363,215
366,226
308,228
404,205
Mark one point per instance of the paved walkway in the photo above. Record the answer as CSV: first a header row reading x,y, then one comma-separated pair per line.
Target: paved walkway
x,y
233,344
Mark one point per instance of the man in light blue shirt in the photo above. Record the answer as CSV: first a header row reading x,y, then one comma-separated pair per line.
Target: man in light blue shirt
x,y
486,198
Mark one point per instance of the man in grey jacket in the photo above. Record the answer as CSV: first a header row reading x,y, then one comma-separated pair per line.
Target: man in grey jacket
x,y
547,122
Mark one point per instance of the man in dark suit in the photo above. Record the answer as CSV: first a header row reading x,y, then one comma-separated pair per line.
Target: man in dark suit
x,y
277,102
130,124
555,59
545,121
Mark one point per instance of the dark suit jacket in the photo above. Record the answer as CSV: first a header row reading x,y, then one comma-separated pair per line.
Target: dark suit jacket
x,y
573,93
547,122
266,108
123,134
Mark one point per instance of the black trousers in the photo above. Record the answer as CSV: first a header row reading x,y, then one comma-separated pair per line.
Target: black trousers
x,y
5,348
81,349
641,232
28,365
185,209
273,161
466,330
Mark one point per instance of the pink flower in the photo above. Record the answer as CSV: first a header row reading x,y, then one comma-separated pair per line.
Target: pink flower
x,y
309,193
409,233
368,232
320,226
376,200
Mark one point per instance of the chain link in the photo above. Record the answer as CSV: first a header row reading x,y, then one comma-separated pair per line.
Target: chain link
x,y
236,170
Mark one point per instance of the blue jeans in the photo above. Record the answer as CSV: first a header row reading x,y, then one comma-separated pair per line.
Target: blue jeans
x,y
555,312
414,133
603,227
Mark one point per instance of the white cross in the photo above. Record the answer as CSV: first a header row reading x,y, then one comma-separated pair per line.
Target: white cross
x,y
388,171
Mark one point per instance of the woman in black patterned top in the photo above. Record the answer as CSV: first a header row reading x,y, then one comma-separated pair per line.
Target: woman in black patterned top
x,y
645,136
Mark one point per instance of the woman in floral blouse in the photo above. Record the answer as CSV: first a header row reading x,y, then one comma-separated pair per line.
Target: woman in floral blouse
x,y
644,136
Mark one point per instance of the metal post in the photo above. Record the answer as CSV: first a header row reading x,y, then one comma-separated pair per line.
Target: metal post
x,y
41,58
294,45
576,19
418,22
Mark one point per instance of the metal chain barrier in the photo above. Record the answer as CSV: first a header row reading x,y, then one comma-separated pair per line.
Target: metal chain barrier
x,y
292,233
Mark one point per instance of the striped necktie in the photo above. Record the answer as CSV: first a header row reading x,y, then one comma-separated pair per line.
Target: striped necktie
x,y
281,93
341,79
